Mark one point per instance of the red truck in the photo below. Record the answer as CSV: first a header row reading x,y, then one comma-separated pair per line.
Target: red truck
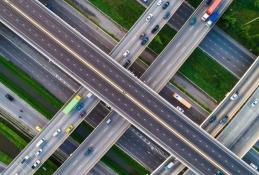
x,y
211,9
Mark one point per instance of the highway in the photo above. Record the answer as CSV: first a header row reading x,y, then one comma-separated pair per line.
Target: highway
x,y
131,39
21,110
100,140
246,85
252,157
74,62
181,46
31,149
243,131
217,43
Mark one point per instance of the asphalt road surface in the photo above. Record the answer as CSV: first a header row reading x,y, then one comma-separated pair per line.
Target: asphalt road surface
x,y
118,79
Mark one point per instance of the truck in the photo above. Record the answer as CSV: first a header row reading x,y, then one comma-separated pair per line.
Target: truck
x,y
212,19
71,104
211,9
182,100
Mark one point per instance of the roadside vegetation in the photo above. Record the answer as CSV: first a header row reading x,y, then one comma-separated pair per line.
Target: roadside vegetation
x,y
4,158
21,76
49,167
241,21
211,82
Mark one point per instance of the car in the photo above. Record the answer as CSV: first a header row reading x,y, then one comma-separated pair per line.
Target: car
x,y
88,151
35,164
179,109
38,152
41,142
9,97
234,96
149,17
145,1
126,53
144,41
142,36
223,120
126,63
83,113
254,103
192,21
253,166
155,29
16,174
25,159
56,132
69,128
167,15
212,119
108,121
79,106
165,5
159,2
38,128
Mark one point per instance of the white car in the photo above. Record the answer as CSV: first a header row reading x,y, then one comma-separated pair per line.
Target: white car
x,y
234,96
35,164
159,2
126,53
149,17
108,121
254,102
38,152
179,109
56,132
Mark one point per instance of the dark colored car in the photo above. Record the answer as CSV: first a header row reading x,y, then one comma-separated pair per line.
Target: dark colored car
x,y
83,113
167,15
88,151
79,106
144,41
192,21
126,63
9,97
155,29
219,173
142,36
165,5
212,119
224,120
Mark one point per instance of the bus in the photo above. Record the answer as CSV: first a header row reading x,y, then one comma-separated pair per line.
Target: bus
x,y
71,104
182,100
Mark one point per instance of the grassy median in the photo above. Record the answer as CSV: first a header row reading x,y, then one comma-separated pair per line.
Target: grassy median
x,y
14,71
4,158
211,82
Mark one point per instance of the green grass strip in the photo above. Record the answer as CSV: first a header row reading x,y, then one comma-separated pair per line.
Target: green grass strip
x,y
49,167
6,159
31,82
12,135
215,80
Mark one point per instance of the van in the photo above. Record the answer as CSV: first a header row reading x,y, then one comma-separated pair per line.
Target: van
x,y
40,142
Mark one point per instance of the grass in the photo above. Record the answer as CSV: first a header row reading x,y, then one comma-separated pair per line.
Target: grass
x,y
6,159
12,135
86,128
234,22
215,80
26,79
138,169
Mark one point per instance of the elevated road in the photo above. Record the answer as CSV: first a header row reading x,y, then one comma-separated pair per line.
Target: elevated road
x,y
181,46
246,85
97,83
217,43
